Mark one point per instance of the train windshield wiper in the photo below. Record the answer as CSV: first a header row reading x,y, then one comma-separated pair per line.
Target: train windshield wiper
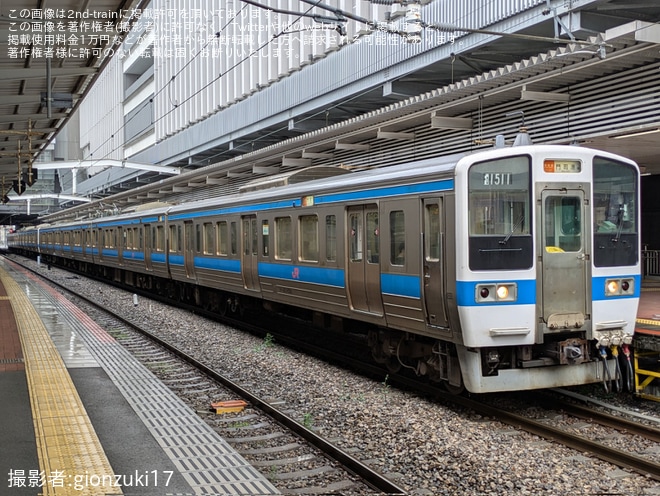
x,y
517,225
619,225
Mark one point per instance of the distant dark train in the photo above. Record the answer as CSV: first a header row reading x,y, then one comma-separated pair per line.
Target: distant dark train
x,y
509,269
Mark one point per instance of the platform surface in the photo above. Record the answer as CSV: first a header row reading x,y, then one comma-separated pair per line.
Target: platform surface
x,y
81,419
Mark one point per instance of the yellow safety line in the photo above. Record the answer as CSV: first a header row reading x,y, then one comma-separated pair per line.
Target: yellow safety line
x,y
71,458
648,322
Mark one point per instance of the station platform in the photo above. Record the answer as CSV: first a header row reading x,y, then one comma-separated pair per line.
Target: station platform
x,y
81,416
647,341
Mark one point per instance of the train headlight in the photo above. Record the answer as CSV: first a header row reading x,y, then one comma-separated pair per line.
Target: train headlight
x,y
611,287
616,287
496,292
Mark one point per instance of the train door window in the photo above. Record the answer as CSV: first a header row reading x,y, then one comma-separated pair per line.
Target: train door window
x,y
309,238
432,232
283,234
265,234
198,238
563,223
373,238
233,232
397,238
254,232
140,240
355,239
223,235
250,236
209,236
331,238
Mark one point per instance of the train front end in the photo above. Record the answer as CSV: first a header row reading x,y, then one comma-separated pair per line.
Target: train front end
x,y
548,280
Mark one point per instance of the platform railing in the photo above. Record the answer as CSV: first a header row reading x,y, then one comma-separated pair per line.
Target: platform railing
x,y
651,260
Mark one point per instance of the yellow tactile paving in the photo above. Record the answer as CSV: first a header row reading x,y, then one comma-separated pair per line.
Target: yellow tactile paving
x,y
71,458
648,322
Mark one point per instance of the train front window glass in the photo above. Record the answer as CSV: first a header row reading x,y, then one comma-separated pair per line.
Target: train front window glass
x,y
309,238
355,237
615,203
499,214
283,241
397,238
331,238
499,197
563,224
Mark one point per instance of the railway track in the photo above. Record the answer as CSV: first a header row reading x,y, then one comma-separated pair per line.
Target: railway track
x,y
285,450
542,428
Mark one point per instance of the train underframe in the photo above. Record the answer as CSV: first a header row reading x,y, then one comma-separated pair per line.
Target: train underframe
x,y
441,361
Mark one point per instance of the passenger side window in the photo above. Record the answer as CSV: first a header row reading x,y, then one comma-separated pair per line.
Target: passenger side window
x,y
208,238
331,238
283,235
309,238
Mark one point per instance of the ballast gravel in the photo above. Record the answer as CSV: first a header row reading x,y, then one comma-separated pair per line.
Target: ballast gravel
x,y
425,447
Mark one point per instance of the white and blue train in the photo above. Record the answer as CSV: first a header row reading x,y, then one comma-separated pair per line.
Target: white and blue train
x,y
509,269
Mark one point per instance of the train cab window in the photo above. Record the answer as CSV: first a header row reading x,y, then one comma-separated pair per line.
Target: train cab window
x,y
499,213
283,234
331,238
209,237
309,238
397,238
615,203
223,237
265,235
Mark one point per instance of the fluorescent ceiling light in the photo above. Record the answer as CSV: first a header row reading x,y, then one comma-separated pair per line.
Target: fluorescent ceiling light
x,y
638,133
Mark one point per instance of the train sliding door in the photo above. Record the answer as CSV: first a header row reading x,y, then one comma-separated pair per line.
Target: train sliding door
x,y
148,245
250,252
189,248
363,264
433,263
564,258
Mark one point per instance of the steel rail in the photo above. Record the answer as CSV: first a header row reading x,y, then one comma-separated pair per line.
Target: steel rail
x,y
371,477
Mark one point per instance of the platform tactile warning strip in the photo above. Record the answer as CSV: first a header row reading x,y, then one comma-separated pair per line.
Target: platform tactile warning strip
x,y
67,445
206,461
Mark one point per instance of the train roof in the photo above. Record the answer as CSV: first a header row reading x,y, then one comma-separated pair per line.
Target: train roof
x,y
315,180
